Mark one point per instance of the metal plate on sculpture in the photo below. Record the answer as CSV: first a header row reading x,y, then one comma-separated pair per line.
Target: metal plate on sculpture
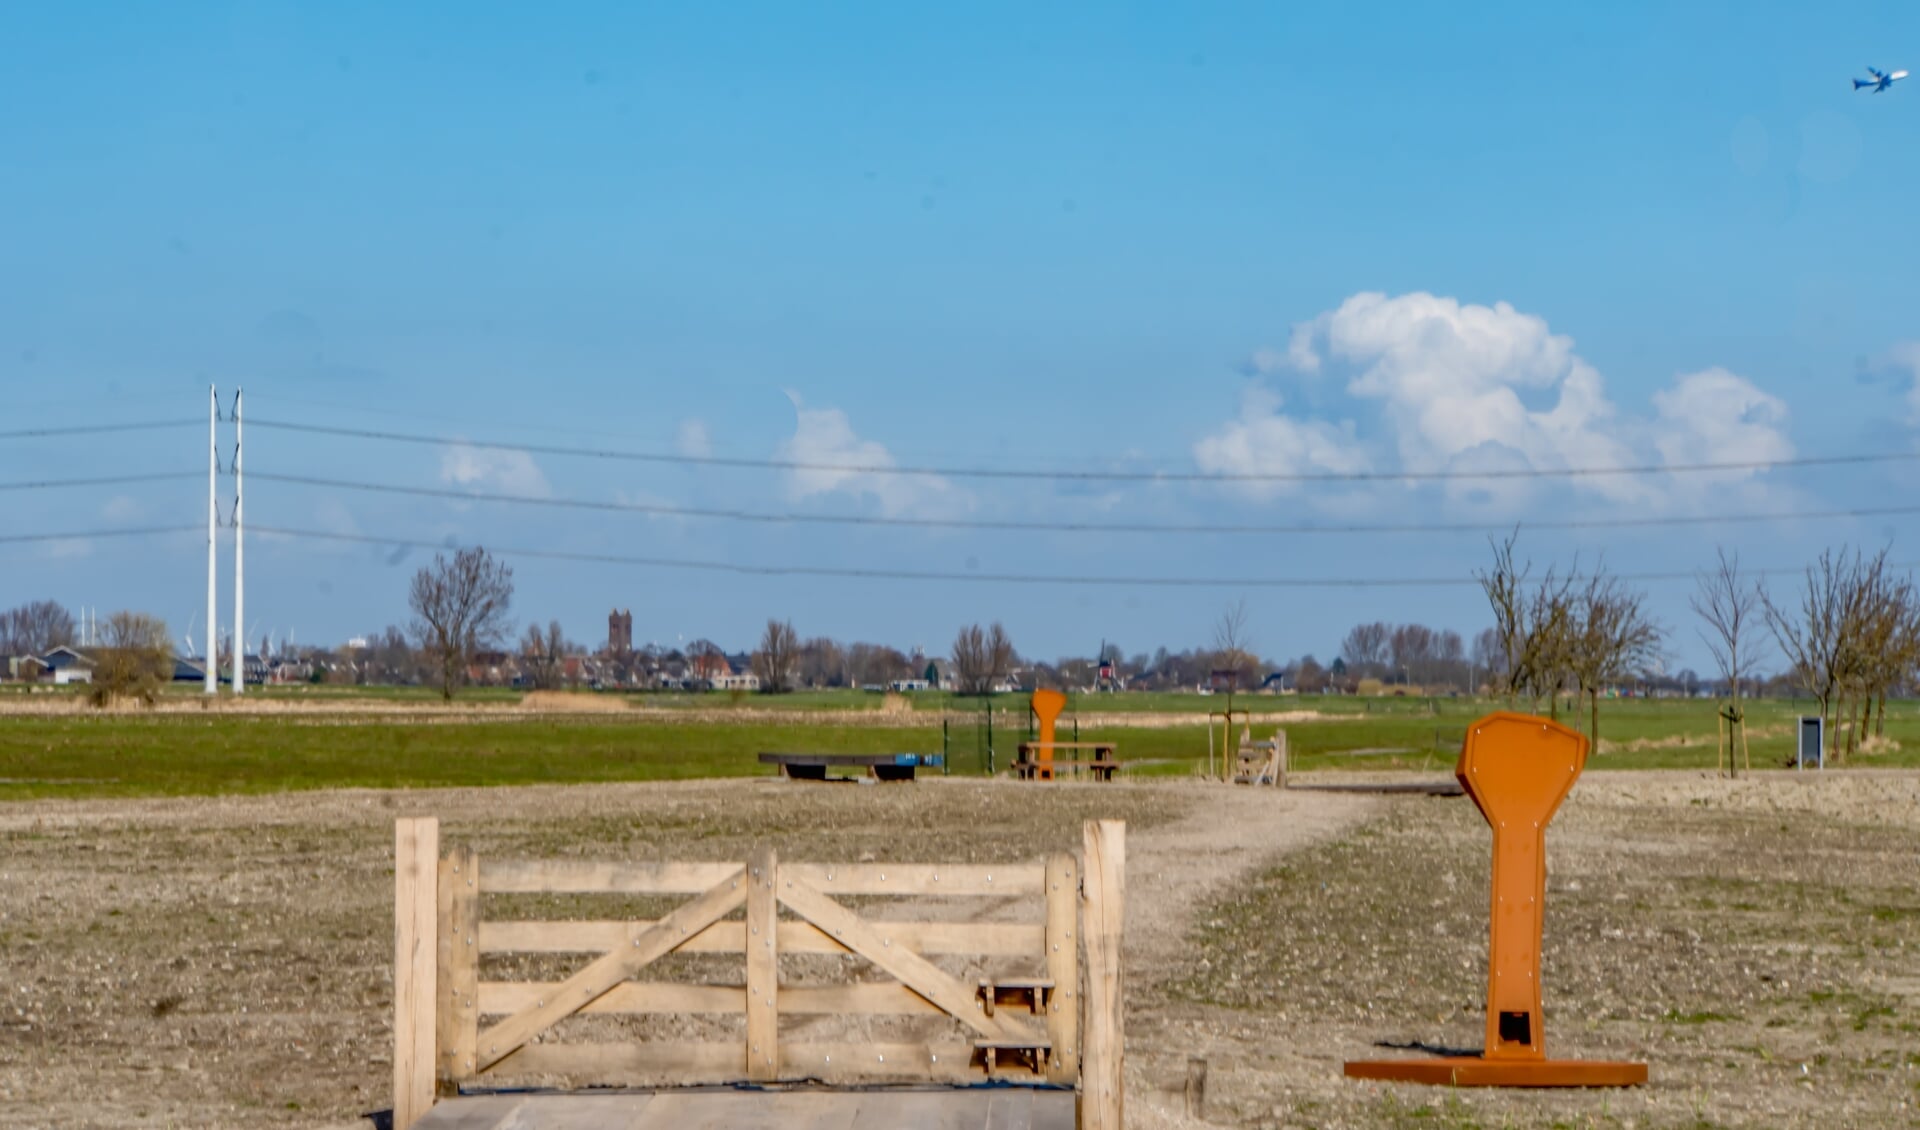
x,y
1475,1071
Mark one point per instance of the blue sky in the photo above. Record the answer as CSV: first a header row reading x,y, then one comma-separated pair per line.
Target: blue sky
x,y
1270,238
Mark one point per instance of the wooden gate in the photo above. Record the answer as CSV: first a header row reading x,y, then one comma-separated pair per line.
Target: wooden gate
x,y
1043,1009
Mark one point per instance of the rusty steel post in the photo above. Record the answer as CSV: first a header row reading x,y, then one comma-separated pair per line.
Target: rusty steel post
x,y
1047,705
1517,768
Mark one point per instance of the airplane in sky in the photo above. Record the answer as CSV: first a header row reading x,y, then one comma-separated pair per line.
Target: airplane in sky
x,y
1880,80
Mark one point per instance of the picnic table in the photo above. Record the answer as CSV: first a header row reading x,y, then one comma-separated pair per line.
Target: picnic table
x,y
1101,766
880,766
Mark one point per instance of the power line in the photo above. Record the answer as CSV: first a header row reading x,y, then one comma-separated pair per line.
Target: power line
x,y
1038,526
950,576
943,576
1093,476
88,535
870,573
98,429
101,481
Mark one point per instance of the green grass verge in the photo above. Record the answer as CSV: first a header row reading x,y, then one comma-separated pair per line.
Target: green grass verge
x,y
172,756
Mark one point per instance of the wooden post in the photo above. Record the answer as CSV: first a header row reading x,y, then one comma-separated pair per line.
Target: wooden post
x,y
416,867
457,1004
763,968
1063,968
1102,1085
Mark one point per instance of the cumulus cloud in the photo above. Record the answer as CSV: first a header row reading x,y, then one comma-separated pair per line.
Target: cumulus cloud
x,y
513,472
1717,417
840,462
1460,386
1264,441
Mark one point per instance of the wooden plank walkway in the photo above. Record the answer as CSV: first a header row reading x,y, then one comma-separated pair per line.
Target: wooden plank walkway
x,y
964,1108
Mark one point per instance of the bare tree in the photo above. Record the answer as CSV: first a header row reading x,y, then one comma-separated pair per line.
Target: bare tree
x,y
774,663
1366,647
872,664
1810,636
1411,647
134,660
1233,648
459,607
392,658
1873,625
1531,629
545,653
1609,636
822,663
35,628
1730,607
1490,657
982,657
706,661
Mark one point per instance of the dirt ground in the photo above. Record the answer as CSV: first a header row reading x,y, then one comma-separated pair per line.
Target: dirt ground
x,y
226,962
892,711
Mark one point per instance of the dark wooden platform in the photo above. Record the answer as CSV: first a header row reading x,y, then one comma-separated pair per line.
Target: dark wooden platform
x,y
961,1108
880,766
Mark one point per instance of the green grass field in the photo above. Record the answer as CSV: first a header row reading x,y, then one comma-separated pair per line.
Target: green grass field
x,y
172,754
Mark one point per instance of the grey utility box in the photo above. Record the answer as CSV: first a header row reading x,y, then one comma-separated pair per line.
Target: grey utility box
x,y
1813,743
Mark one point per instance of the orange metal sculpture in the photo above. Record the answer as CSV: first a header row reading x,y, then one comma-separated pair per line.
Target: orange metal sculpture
x,y
1047,705
1517,768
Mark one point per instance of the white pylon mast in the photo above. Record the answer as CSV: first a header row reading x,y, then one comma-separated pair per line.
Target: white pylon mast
x,y
239,563
213,519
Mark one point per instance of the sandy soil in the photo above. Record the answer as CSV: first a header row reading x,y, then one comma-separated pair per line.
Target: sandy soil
x,y
225,962
1756,942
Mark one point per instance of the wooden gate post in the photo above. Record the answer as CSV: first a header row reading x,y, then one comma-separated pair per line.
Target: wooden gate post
x,y
763,967
1102,1086
457,1030
416,871
1063,968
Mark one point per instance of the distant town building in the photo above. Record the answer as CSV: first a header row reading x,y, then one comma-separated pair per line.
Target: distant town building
x,y
65,665
620,631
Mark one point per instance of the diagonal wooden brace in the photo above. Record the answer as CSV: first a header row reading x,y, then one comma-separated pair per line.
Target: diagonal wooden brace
x,y
646,944
940,989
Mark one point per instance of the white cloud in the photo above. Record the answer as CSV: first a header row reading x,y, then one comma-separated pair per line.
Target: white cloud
x,y
1264,361
1263,441
1714,416
1470,387
824,439
513,472
121,508
1904,357
692,438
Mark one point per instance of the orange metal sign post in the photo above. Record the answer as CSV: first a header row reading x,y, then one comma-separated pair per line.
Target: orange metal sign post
x,y
1047,705
1517,768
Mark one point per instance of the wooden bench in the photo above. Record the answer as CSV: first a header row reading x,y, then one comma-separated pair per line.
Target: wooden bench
x,y
879,766
1101,766
1101,770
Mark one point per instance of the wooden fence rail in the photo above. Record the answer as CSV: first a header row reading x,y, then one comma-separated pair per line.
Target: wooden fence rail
x,y
1046,1012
